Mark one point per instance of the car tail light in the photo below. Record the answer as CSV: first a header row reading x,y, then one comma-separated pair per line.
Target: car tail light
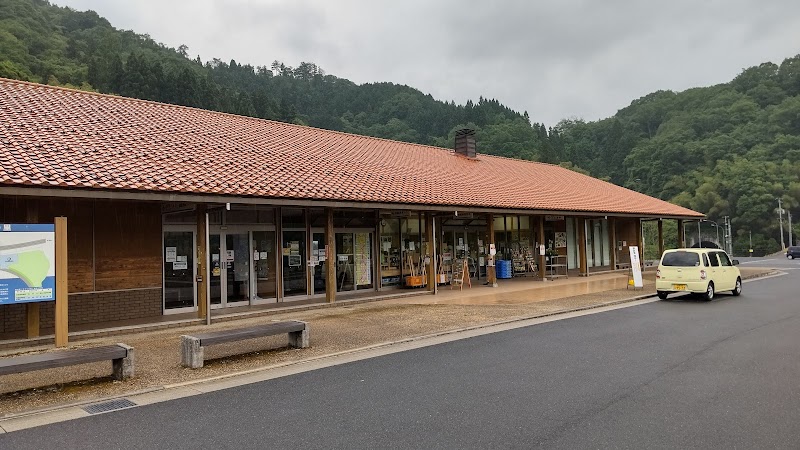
x,y
658,273
703,275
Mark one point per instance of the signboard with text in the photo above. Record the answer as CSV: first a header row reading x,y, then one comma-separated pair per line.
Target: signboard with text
x,y
636,266
27,263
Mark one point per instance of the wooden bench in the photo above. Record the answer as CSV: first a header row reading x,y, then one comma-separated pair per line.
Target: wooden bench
x,y
192,346
121,357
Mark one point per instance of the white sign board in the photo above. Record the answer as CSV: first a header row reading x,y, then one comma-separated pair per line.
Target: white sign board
x,y
636,266
170,254
492,249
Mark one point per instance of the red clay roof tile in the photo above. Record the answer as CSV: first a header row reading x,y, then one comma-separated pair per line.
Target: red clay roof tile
x,y
61,137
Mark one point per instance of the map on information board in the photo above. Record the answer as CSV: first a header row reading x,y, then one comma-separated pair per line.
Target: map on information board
x,y
27,263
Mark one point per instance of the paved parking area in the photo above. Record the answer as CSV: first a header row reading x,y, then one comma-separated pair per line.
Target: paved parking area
x,y
333,330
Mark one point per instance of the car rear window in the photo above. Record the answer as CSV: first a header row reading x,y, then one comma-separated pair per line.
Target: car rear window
x,y
681,259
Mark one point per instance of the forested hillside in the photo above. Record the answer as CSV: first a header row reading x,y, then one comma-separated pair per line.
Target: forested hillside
x,y
730,149
49,44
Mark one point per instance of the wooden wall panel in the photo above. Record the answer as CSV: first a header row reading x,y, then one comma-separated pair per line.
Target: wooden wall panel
x,y
127,245
79,216
626,232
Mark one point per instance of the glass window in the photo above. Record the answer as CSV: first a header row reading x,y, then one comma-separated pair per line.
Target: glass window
x,y
681,259
188,216
179,284
354,218
317,218
499,223
713,259
250,214
294,218
705,260
723,259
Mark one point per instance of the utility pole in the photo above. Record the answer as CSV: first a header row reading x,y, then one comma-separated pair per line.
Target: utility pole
x,y
730,237
780,220
726,223
725,233
751,243
791,242
699,240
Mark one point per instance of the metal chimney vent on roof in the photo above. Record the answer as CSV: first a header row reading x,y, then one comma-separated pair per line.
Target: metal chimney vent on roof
x,y
465,143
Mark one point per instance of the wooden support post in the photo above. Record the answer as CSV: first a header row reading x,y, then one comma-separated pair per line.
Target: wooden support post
x,y
612,225
62,284
491,271
639,240
32,313
581,223
680,234
660,237
279,254
32,309
330,258
429,237
541,258
377,251
202,262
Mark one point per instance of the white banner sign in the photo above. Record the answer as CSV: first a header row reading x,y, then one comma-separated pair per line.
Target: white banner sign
x,y
636,266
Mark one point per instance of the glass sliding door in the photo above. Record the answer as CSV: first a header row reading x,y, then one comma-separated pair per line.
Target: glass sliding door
x,y
354,261
229,260
362,258
179,270
345,272
318,270
237,276
294,263
265,286
390,252
217,265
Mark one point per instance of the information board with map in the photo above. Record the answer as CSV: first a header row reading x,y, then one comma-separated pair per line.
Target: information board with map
x,y
27,263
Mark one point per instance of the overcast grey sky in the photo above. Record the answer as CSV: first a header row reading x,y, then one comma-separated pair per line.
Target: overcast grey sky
x,y
553,58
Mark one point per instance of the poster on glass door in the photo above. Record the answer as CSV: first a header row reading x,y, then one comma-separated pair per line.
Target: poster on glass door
x,y
362,260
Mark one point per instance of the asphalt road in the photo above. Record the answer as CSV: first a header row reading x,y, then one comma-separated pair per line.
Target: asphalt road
x,y
675,374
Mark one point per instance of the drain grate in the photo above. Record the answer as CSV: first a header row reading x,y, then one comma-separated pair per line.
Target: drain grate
x,y
112,405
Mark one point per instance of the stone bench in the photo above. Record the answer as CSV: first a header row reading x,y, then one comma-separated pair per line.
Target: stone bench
x,y
192,346
121,357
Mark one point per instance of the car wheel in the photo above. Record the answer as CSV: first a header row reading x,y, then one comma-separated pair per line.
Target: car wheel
x,y
737,291
790,256
709,295
662,295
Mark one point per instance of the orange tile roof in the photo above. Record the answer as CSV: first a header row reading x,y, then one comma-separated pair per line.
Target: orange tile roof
x,y
56,137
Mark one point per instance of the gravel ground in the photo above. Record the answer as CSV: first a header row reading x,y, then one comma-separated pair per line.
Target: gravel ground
x,y
332,330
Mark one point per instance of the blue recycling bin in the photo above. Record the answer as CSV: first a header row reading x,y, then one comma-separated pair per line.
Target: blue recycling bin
x,y
503,268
